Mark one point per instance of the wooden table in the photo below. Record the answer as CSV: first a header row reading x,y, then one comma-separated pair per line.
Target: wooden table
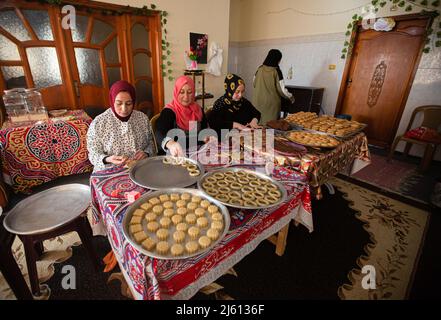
x,y
320,165
154,279
33,153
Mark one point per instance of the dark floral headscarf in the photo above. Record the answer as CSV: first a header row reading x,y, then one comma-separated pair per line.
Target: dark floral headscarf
x,y
231,83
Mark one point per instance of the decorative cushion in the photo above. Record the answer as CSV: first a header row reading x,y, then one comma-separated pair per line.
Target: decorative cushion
x,y
424,134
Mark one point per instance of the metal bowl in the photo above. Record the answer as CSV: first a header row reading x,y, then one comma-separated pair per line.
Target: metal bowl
x,y
260,175
194,192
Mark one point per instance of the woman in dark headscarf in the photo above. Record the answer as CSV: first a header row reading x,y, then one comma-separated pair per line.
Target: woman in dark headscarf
x,y
120,133
269,87
232,110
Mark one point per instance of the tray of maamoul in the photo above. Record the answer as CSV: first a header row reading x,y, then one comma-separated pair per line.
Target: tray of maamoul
x,y
340,128
336,127
300,118
163,172
175,223
241,188
310,139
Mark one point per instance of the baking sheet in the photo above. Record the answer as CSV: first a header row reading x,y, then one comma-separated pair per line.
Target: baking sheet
x,y
258,174
152,173
144,198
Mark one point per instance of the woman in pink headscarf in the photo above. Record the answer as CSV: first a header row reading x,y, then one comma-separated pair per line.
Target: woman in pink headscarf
x,y
182,113
120,133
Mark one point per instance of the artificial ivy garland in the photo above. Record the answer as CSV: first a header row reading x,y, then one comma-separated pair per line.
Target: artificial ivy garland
x,y
408,4
144,11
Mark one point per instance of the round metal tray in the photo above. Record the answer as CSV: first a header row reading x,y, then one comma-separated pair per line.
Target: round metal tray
x,y
49,209
312,145
260,175
152,173
194,192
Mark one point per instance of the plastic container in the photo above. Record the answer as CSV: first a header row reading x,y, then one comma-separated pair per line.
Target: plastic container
x,y
33,100
15,104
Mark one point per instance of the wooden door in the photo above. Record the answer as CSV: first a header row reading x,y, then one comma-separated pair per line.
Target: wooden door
x,y
74,68
144,35
31,52
93,48
379,74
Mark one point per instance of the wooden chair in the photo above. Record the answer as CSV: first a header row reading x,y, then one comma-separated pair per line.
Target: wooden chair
x,y
9,268
153,124
57,220
431,119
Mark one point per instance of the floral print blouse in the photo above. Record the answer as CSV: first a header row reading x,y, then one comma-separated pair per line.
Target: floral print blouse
x,y
107,135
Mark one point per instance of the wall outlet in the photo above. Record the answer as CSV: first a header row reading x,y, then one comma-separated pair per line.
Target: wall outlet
x,y
331,67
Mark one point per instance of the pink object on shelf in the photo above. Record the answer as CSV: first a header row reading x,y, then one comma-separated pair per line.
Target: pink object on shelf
x,y
132,196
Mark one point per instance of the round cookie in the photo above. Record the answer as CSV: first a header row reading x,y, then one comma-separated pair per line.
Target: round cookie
x,y
213,234
176,219
193,232
199,212
204,242
190,218
162,247
182,227
162,234
165,222
202,222
177,249
191,246
152,226
179,236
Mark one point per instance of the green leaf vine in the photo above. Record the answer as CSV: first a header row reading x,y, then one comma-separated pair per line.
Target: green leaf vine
x,y
433,37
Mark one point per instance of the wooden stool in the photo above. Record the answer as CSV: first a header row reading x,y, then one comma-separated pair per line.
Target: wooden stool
x,y
48,214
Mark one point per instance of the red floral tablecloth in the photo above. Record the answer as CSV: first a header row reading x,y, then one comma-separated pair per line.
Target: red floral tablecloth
x,y
36,152
153,279
320,165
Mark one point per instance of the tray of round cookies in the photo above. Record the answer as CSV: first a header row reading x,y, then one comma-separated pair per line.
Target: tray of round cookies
x,y
242,188
175,223
312,139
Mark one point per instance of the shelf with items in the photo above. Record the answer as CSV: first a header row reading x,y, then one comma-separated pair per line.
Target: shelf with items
x,y
204,95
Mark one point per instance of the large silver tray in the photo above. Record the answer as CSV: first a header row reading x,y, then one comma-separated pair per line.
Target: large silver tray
x,y
152,173
135,205
311,145
260,175
340,137
49,209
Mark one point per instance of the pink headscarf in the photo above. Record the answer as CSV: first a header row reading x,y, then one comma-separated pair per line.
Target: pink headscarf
x,y
184,115
116,88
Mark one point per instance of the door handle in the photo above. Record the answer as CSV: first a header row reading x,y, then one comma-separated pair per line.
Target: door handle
x,y
349,82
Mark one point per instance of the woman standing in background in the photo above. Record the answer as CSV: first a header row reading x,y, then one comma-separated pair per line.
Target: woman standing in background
x,y
269,87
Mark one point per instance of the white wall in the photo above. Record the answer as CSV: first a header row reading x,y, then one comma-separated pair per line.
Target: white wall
x,y
310,42
210,17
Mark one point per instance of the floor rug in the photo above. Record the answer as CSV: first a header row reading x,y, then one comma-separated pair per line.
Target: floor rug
x,y
352,228
400,175
57,250
397,232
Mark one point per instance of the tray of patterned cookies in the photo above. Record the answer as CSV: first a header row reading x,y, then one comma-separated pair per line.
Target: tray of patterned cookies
x,y
335,127
164,172
310,139
241,188
175,223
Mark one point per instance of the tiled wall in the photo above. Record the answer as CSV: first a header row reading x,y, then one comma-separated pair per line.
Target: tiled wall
x,y
310,58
